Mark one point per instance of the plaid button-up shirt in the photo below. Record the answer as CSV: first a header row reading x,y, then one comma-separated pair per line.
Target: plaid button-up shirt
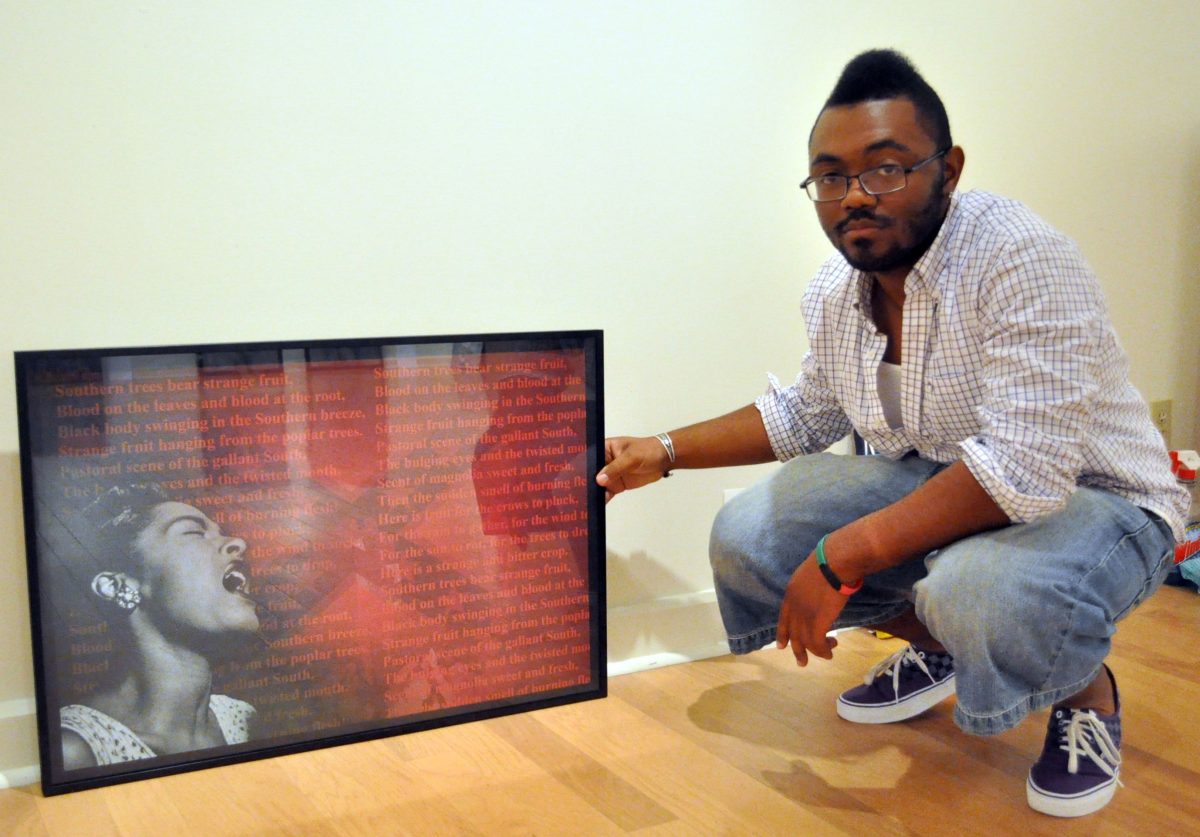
x,y
1009,363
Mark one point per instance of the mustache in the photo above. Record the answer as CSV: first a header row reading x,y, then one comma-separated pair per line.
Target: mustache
x,y
862,214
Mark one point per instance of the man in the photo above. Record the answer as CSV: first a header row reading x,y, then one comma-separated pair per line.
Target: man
x,y
1022,503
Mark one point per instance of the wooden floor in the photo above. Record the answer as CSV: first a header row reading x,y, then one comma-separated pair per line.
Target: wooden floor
x,y
726,746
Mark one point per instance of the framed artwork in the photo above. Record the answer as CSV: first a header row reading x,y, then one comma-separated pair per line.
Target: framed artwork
x,y
239,551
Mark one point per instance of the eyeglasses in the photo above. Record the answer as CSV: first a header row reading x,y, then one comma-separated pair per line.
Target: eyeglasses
x,y
877,181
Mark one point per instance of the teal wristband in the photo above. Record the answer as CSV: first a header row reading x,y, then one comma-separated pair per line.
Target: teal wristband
x,y
830,576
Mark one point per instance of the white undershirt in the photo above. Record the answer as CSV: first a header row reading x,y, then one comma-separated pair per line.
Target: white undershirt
x,y
888,383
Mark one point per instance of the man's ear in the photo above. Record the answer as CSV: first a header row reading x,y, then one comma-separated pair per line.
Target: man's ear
x,y
954,160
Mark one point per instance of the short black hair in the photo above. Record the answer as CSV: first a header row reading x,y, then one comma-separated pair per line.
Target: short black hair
x,y
886,74
113,521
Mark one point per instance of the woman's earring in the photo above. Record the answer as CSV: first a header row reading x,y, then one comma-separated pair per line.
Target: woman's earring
x,y
128,597
112,588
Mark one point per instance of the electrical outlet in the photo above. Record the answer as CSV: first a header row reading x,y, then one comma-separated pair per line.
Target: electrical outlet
x,y
1160,412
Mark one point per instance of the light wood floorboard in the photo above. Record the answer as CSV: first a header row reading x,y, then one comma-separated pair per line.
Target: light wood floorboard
x,y
729,746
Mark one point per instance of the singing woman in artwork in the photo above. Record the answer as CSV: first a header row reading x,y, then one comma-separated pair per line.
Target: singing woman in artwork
x,y
177,593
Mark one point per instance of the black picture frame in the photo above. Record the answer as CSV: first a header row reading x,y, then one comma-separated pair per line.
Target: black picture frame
x,y
353,538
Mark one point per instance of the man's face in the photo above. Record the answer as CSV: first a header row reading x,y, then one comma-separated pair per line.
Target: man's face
x,y
881,234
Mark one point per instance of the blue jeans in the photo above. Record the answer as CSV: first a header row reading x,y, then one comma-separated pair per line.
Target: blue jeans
x,y
1028,611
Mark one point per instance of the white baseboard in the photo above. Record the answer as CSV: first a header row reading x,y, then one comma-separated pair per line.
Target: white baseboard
x,y
18,743
664,631
636,664
16,777
17,708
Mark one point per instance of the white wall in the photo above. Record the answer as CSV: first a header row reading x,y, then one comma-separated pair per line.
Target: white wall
x,y
222,171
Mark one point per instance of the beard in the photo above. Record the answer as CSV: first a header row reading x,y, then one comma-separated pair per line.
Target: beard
x,y
920,234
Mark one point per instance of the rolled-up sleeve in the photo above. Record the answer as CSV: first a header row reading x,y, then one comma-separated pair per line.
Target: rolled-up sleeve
x,y
1042,319
804,417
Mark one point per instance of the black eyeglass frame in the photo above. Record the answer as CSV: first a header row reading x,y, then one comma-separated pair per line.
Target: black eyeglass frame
x,y
846,178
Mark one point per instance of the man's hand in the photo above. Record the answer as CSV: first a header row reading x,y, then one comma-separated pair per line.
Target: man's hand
x,y
631,463
737,438
809,607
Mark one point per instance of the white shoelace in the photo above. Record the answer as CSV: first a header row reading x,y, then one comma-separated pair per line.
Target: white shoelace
x,y
892,666
1082,732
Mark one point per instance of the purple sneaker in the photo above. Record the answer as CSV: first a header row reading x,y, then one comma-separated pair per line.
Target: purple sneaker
x,y
1078,772
901,687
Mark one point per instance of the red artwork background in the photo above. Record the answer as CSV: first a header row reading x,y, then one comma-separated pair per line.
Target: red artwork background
x,y
417,521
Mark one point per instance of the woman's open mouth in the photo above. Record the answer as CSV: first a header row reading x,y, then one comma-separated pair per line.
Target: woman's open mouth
x,y
237,578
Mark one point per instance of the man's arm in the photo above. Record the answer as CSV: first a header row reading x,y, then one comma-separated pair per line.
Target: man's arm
x,y
947,508
737,438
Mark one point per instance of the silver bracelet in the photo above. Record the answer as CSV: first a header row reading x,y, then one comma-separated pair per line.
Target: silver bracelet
x,y
668,444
